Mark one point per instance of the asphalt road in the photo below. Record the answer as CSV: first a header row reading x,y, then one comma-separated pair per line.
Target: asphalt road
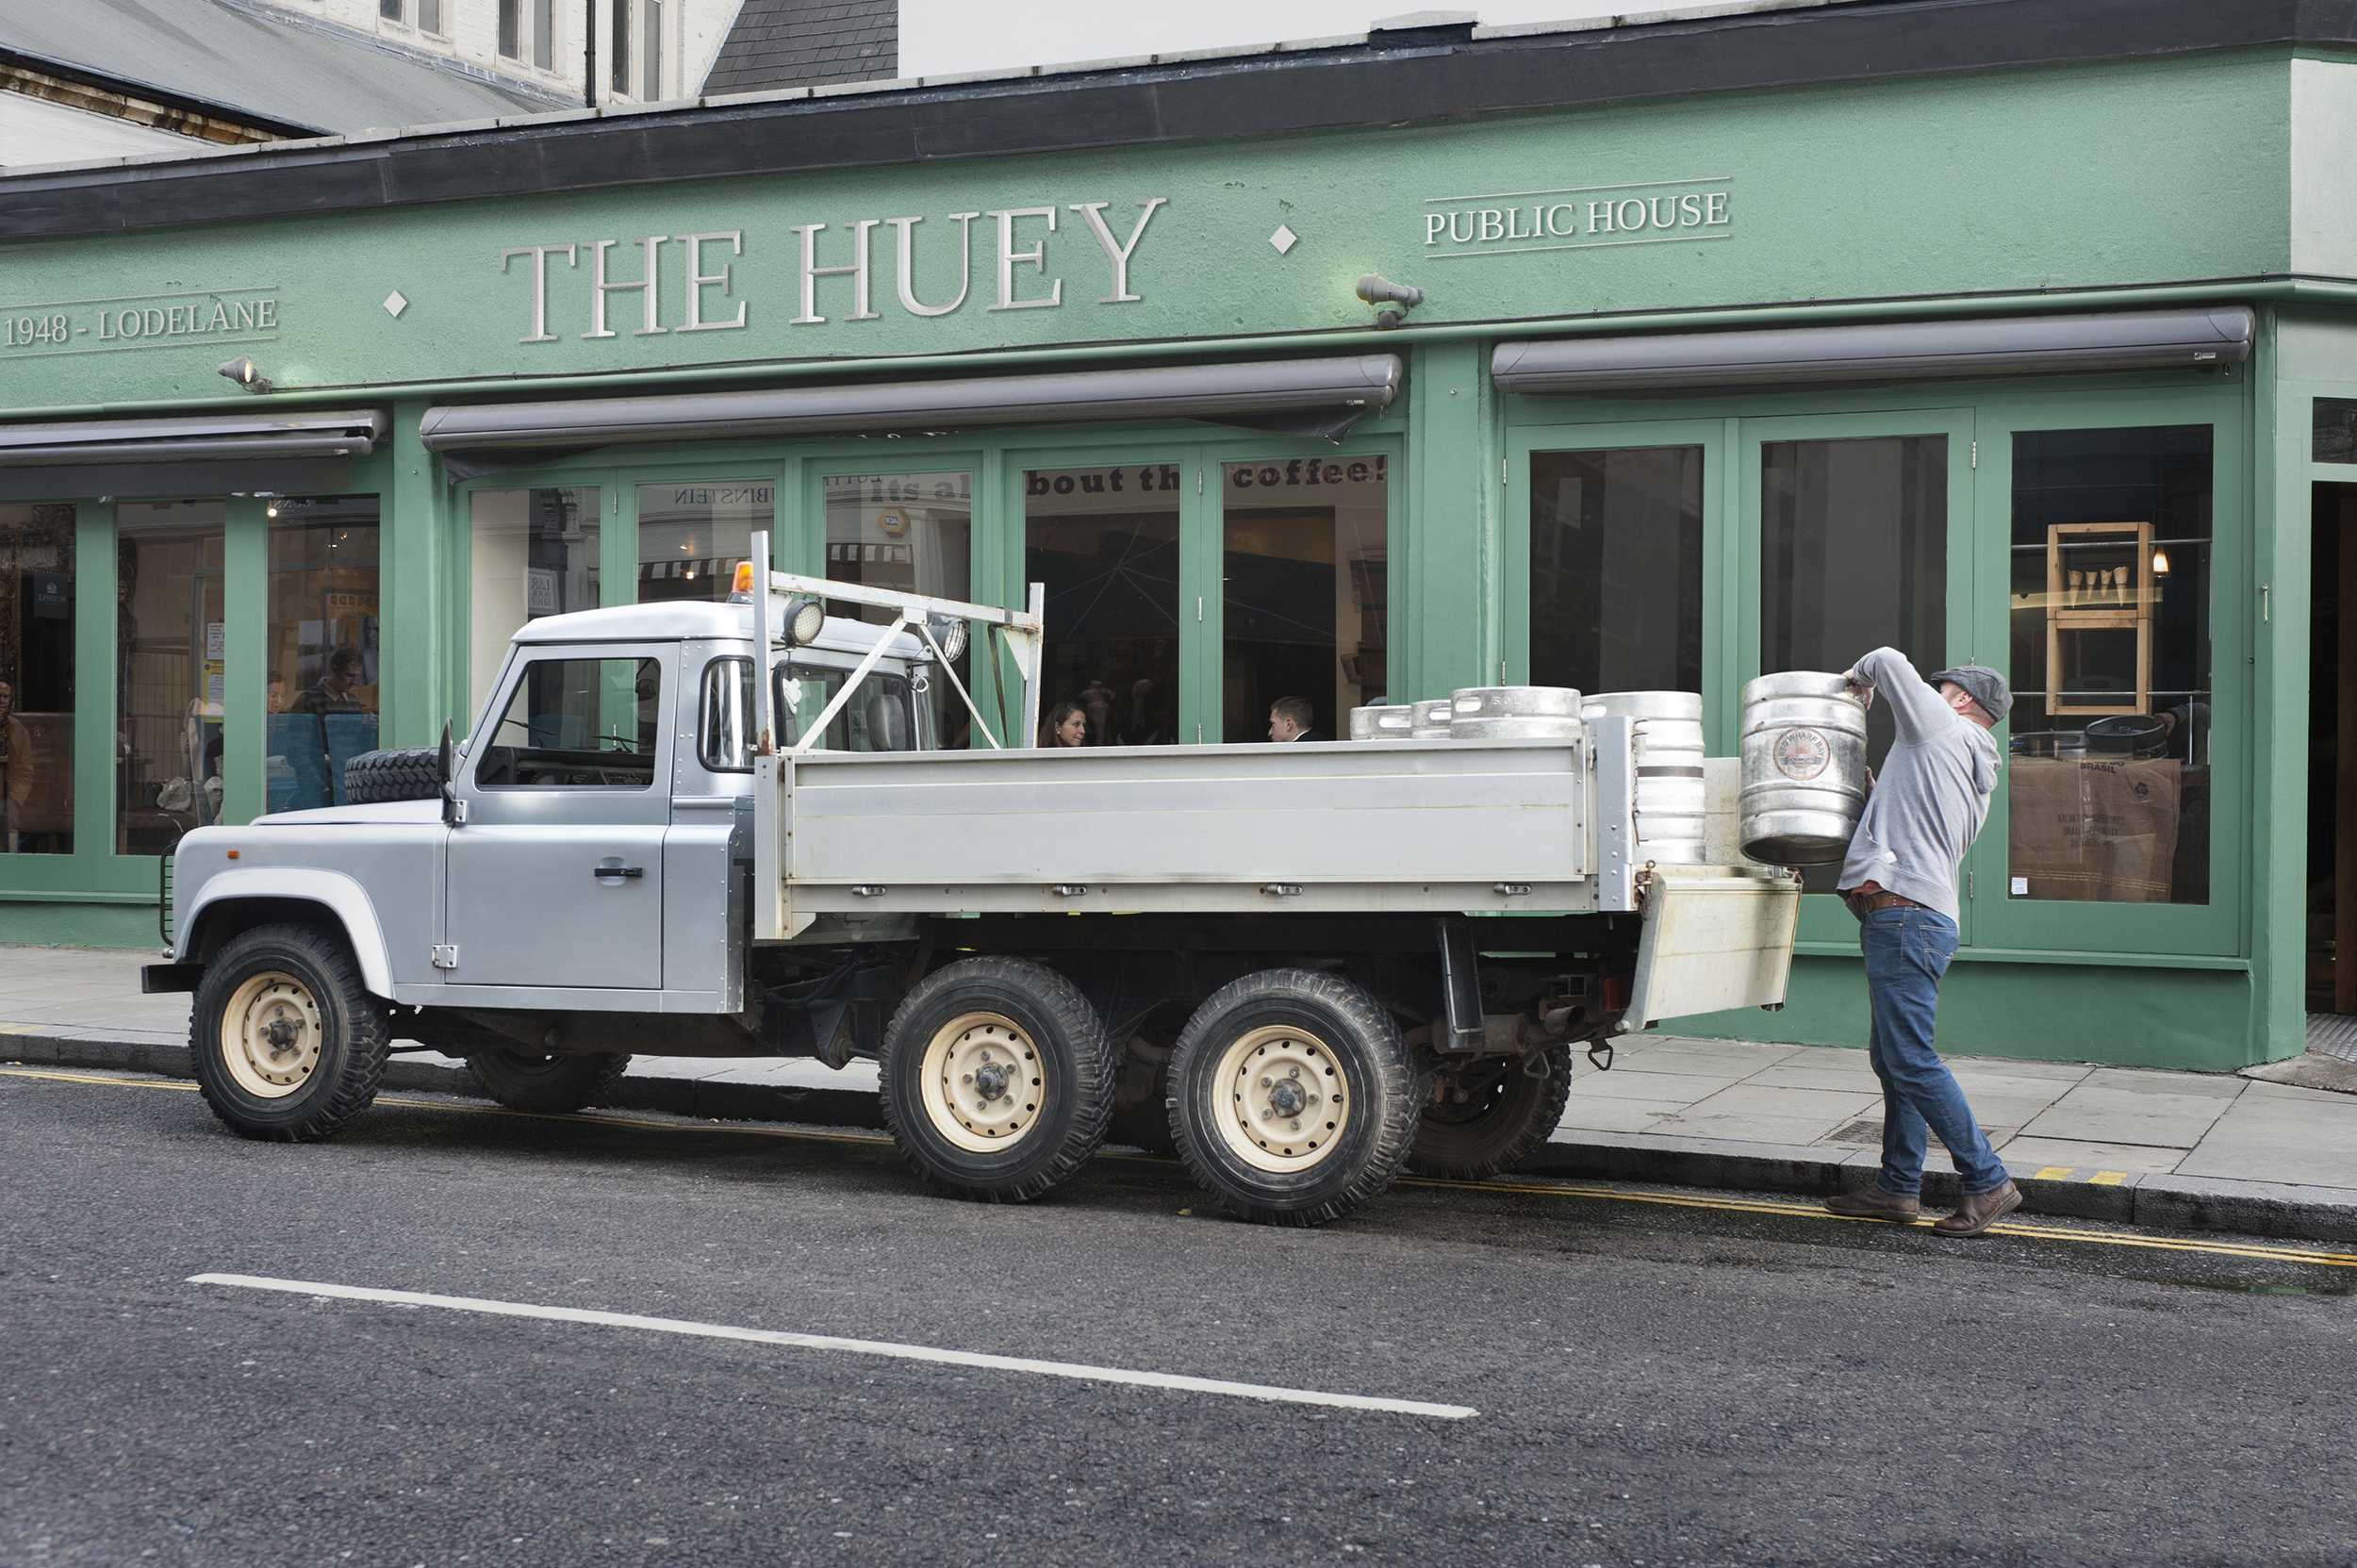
x,y
1658,1377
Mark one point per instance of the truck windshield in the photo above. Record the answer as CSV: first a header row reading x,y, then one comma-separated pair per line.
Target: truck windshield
x,y
881,716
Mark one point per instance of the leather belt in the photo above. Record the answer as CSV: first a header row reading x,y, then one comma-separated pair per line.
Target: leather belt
x,y
1866,900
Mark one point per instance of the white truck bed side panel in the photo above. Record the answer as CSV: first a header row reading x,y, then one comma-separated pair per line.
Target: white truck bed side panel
x,y
1351,824
1713,939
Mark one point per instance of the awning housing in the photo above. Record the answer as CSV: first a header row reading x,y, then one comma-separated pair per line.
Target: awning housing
x,y
1305,397
1686,364
281,451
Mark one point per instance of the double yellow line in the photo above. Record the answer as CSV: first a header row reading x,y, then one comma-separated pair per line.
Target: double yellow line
x,y
2257,1252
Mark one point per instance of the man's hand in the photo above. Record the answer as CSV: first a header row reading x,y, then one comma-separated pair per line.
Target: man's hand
x,y
1857,688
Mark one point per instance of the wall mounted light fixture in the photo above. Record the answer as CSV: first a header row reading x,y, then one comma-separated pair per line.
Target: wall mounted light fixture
x,y
1392,301
246,374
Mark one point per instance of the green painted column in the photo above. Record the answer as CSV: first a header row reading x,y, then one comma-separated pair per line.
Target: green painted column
x,y
245,654
2277,663
412,555
1450,597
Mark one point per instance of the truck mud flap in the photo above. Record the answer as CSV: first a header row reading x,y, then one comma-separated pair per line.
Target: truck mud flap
x,y
1714,939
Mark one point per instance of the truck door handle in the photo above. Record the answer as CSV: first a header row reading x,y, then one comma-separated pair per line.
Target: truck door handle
x,y
604,871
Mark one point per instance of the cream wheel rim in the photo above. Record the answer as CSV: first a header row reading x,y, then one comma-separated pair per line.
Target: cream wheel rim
x,y
1283,1100
271,1034
981,1082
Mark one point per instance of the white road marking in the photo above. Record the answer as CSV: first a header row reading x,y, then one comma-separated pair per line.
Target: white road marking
x,y
856,1346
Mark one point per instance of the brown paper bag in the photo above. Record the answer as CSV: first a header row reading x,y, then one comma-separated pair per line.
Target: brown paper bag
x,y
2101,829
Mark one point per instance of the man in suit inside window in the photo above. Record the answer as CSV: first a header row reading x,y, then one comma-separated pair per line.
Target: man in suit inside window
x,y
1288,720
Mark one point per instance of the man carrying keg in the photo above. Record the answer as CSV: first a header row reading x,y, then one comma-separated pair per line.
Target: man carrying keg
x,y
1900,881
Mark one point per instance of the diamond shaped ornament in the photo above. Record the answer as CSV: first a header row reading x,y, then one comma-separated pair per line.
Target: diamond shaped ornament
x,y
1284,240
395,304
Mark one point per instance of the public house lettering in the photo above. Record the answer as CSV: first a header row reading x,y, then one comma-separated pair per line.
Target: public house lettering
x,y
644,286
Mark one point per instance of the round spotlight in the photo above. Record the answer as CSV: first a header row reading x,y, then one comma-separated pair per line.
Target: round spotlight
x,y
805,617
950,633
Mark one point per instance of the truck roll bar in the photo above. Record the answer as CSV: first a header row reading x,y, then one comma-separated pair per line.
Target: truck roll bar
x,y
1022,630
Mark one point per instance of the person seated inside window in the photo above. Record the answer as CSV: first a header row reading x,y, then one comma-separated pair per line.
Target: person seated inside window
x,y
1067,724
334,692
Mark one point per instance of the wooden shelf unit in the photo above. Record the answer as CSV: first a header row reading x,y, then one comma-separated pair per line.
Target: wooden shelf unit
x,y
2124,599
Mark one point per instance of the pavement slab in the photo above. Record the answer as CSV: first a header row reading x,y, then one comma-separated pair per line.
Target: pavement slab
x,y
2074,1156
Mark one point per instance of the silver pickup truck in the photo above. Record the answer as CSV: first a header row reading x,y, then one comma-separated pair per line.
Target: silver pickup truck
x,y
731,830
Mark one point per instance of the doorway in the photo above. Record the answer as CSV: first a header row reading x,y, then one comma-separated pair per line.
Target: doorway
x,y
2332,752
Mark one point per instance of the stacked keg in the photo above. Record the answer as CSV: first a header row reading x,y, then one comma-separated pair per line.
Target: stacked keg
x,y
1389,722
1514,713
1671,809
1804,751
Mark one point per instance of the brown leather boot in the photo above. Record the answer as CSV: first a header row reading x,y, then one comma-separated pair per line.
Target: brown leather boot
x,y
1874,1203
1979,1210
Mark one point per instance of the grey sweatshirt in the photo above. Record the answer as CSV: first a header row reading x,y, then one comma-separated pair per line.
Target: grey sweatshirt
x,y
1931,796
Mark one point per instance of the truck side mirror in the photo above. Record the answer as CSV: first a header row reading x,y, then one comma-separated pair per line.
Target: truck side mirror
x,y
451,816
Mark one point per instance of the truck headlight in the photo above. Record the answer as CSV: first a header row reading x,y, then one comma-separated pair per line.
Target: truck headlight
x,y
949,634
805,617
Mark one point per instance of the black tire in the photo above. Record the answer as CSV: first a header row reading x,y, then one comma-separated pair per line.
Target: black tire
x,y
408,773
1334,1032
533,1081
1505,1117
305,1085
1026,1017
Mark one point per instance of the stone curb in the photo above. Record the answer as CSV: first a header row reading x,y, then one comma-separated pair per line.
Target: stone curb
x,y
2161,1202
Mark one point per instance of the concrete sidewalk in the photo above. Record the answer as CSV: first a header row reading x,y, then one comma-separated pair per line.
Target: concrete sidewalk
x,y
2125,1145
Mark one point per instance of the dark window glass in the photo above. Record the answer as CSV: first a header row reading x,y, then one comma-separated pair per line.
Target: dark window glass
x,y
724,728
544,33
36,680
1105,543
881,716
1616,570
170,665
2110,772
621,45
910,533
511,28
1306,569
326,659
430,16
2335,431
650,48
578,723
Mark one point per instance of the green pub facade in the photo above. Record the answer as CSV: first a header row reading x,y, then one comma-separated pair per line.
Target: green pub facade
x,y
2015,331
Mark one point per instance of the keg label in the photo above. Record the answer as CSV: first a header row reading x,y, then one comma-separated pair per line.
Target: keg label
x,y
1802,753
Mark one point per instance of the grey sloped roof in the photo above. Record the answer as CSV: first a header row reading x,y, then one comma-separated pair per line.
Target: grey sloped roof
x,y
288,70
780,43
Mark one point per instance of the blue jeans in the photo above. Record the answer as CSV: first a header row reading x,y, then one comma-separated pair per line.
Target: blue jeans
x,y
1906,952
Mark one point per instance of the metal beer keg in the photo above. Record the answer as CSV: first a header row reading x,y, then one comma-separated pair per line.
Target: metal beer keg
x,y
1671,808
1804,752
1428,720
1391,723
1514,713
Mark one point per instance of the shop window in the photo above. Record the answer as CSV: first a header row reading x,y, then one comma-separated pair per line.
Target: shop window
x,y
578,724
325,657
534,553
1104,542
1854,556
1305,563
1616,570
691,536
170,653
910,533
36,680
2332,433
2110,609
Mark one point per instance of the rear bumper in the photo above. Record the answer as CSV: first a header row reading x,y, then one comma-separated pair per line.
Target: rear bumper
x,y
157,979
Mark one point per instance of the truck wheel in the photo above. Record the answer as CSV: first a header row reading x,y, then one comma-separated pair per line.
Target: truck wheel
x,y
533,1081
404,773
1502,1118
1296,1096
287,1042
997,1079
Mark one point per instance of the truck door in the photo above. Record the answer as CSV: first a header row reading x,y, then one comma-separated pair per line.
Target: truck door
x,y
556,874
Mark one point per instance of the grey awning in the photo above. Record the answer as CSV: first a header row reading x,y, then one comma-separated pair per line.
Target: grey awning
x,y
285,451
1311,397
1688,363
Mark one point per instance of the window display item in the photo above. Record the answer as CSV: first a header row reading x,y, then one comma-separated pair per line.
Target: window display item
x,y
2099,603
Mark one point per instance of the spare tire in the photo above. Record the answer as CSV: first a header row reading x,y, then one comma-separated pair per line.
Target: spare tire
x,y
407,773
